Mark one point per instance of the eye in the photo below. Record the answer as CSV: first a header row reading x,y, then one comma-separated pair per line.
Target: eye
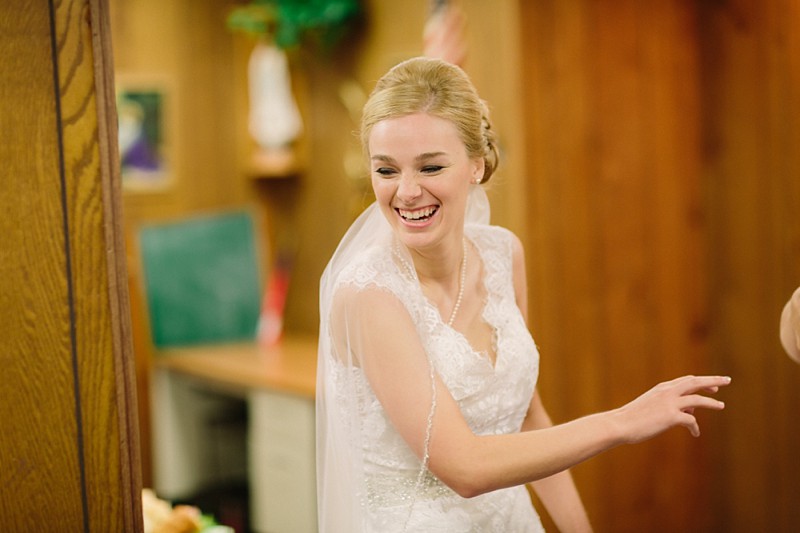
x,y
431,169
384,171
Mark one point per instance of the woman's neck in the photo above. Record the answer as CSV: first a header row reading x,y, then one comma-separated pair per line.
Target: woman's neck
x,y
441,265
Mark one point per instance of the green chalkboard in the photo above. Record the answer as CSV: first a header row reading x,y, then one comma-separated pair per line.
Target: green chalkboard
x,y
202,279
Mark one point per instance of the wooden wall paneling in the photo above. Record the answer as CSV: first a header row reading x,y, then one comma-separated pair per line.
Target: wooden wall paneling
x,y
107,368
616,238
144,33
729,115
493,65
681,261
753,168
713,90
677,246
38,447
209,170
186,47
616,72
70,449
783,176
311,212
142,344
554,39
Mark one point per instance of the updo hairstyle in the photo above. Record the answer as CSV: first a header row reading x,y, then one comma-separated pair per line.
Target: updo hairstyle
x,y
436,87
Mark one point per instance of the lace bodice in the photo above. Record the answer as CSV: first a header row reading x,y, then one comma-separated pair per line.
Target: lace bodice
x,y
493,398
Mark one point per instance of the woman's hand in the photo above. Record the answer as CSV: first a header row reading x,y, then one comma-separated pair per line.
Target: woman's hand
x,y
790,326
669,404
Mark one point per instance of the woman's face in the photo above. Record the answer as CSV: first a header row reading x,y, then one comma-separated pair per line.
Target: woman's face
x,y
421,175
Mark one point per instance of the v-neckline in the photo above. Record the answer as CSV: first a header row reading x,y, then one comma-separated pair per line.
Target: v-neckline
x,y
483,355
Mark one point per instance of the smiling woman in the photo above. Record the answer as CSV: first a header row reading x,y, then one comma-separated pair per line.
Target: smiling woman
x,y
427,424
421,174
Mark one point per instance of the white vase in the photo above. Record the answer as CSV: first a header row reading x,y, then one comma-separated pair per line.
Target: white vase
x,y
274,119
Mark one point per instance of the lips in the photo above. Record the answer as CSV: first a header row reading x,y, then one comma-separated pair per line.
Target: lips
x,y
417,215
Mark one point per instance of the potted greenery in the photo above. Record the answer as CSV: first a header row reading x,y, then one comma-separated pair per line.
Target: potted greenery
x,y
291,23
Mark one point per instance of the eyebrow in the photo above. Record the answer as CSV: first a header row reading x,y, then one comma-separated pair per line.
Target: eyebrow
x,y
420,157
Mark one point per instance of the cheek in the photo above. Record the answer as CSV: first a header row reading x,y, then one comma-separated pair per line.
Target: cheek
x,y
382,189
376,185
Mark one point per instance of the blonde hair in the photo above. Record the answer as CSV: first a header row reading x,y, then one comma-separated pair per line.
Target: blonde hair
x,y
433,86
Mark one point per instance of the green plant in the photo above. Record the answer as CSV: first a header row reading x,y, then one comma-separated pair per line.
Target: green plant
x,y
290,23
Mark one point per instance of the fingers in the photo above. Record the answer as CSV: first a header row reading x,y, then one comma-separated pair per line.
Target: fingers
x,y
669,404
690,422
694,401
690,392
693,426
692,384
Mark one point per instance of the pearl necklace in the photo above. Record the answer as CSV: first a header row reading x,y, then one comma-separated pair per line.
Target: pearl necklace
x,y
461,281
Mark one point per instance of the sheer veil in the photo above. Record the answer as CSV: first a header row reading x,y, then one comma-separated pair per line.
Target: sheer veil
x,y
341,493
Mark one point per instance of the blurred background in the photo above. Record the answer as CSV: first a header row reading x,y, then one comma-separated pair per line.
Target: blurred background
x,y
650,166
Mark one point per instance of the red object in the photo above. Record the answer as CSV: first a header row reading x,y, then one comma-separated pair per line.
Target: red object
x,y
270,322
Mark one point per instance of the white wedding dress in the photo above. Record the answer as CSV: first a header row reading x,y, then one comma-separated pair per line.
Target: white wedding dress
x,y
370,480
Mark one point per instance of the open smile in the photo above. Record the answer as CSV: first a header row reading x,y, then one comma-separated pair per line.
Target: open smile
x,y
417,215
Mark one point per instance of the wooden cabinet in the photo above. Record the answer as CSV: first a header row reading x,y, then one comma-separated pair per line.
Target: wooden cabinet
x,y
281,452
192,384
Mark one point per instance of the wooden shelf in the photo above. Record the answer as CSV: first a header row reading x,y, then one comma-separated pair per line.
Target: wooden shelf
x,y
290,366
279,163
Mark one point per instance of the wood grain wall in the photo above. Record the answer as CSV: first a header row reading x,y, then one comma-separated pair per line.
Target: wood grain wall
x,y
663,190
69,444
184,48
751,110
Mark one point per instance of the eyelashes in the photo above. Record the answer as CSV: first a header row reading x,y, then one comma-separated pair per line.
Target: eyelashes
x,y
428,170
432,169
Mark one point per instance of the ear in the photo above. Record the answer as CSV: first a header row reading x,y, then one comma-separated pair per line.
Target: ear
x,y
478,168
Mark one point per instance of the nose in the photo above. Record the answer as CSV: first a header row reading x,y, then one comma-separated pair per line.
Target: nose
x,y
408,188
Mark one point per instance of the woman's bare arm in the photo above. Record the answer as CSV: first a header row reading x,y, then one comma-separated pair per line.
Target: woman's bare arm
x,y
388,349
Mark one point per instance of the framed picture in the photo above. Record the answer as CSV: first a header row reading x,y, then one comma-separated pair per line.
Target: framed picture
x,y
144,110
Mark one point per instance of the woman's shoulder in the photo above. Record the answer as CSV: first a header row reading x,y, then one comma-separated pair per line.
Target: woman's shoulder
x,y
372,281
493,237
371,268
490,230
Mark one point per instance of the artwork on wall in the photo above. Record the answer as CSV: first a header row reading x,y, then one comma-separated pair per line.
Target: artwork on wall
x,y
143,110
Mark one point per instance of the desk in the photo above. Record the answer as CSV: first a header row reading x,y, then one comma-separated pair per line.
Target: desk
x,y
278,384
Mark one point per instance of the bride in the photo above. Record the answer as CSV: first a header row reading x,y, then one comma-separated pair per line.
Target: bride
x,y
427,409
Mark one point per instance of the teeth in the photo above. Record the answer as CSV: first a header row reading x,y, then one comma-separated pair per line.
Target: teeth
x,y
416,215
